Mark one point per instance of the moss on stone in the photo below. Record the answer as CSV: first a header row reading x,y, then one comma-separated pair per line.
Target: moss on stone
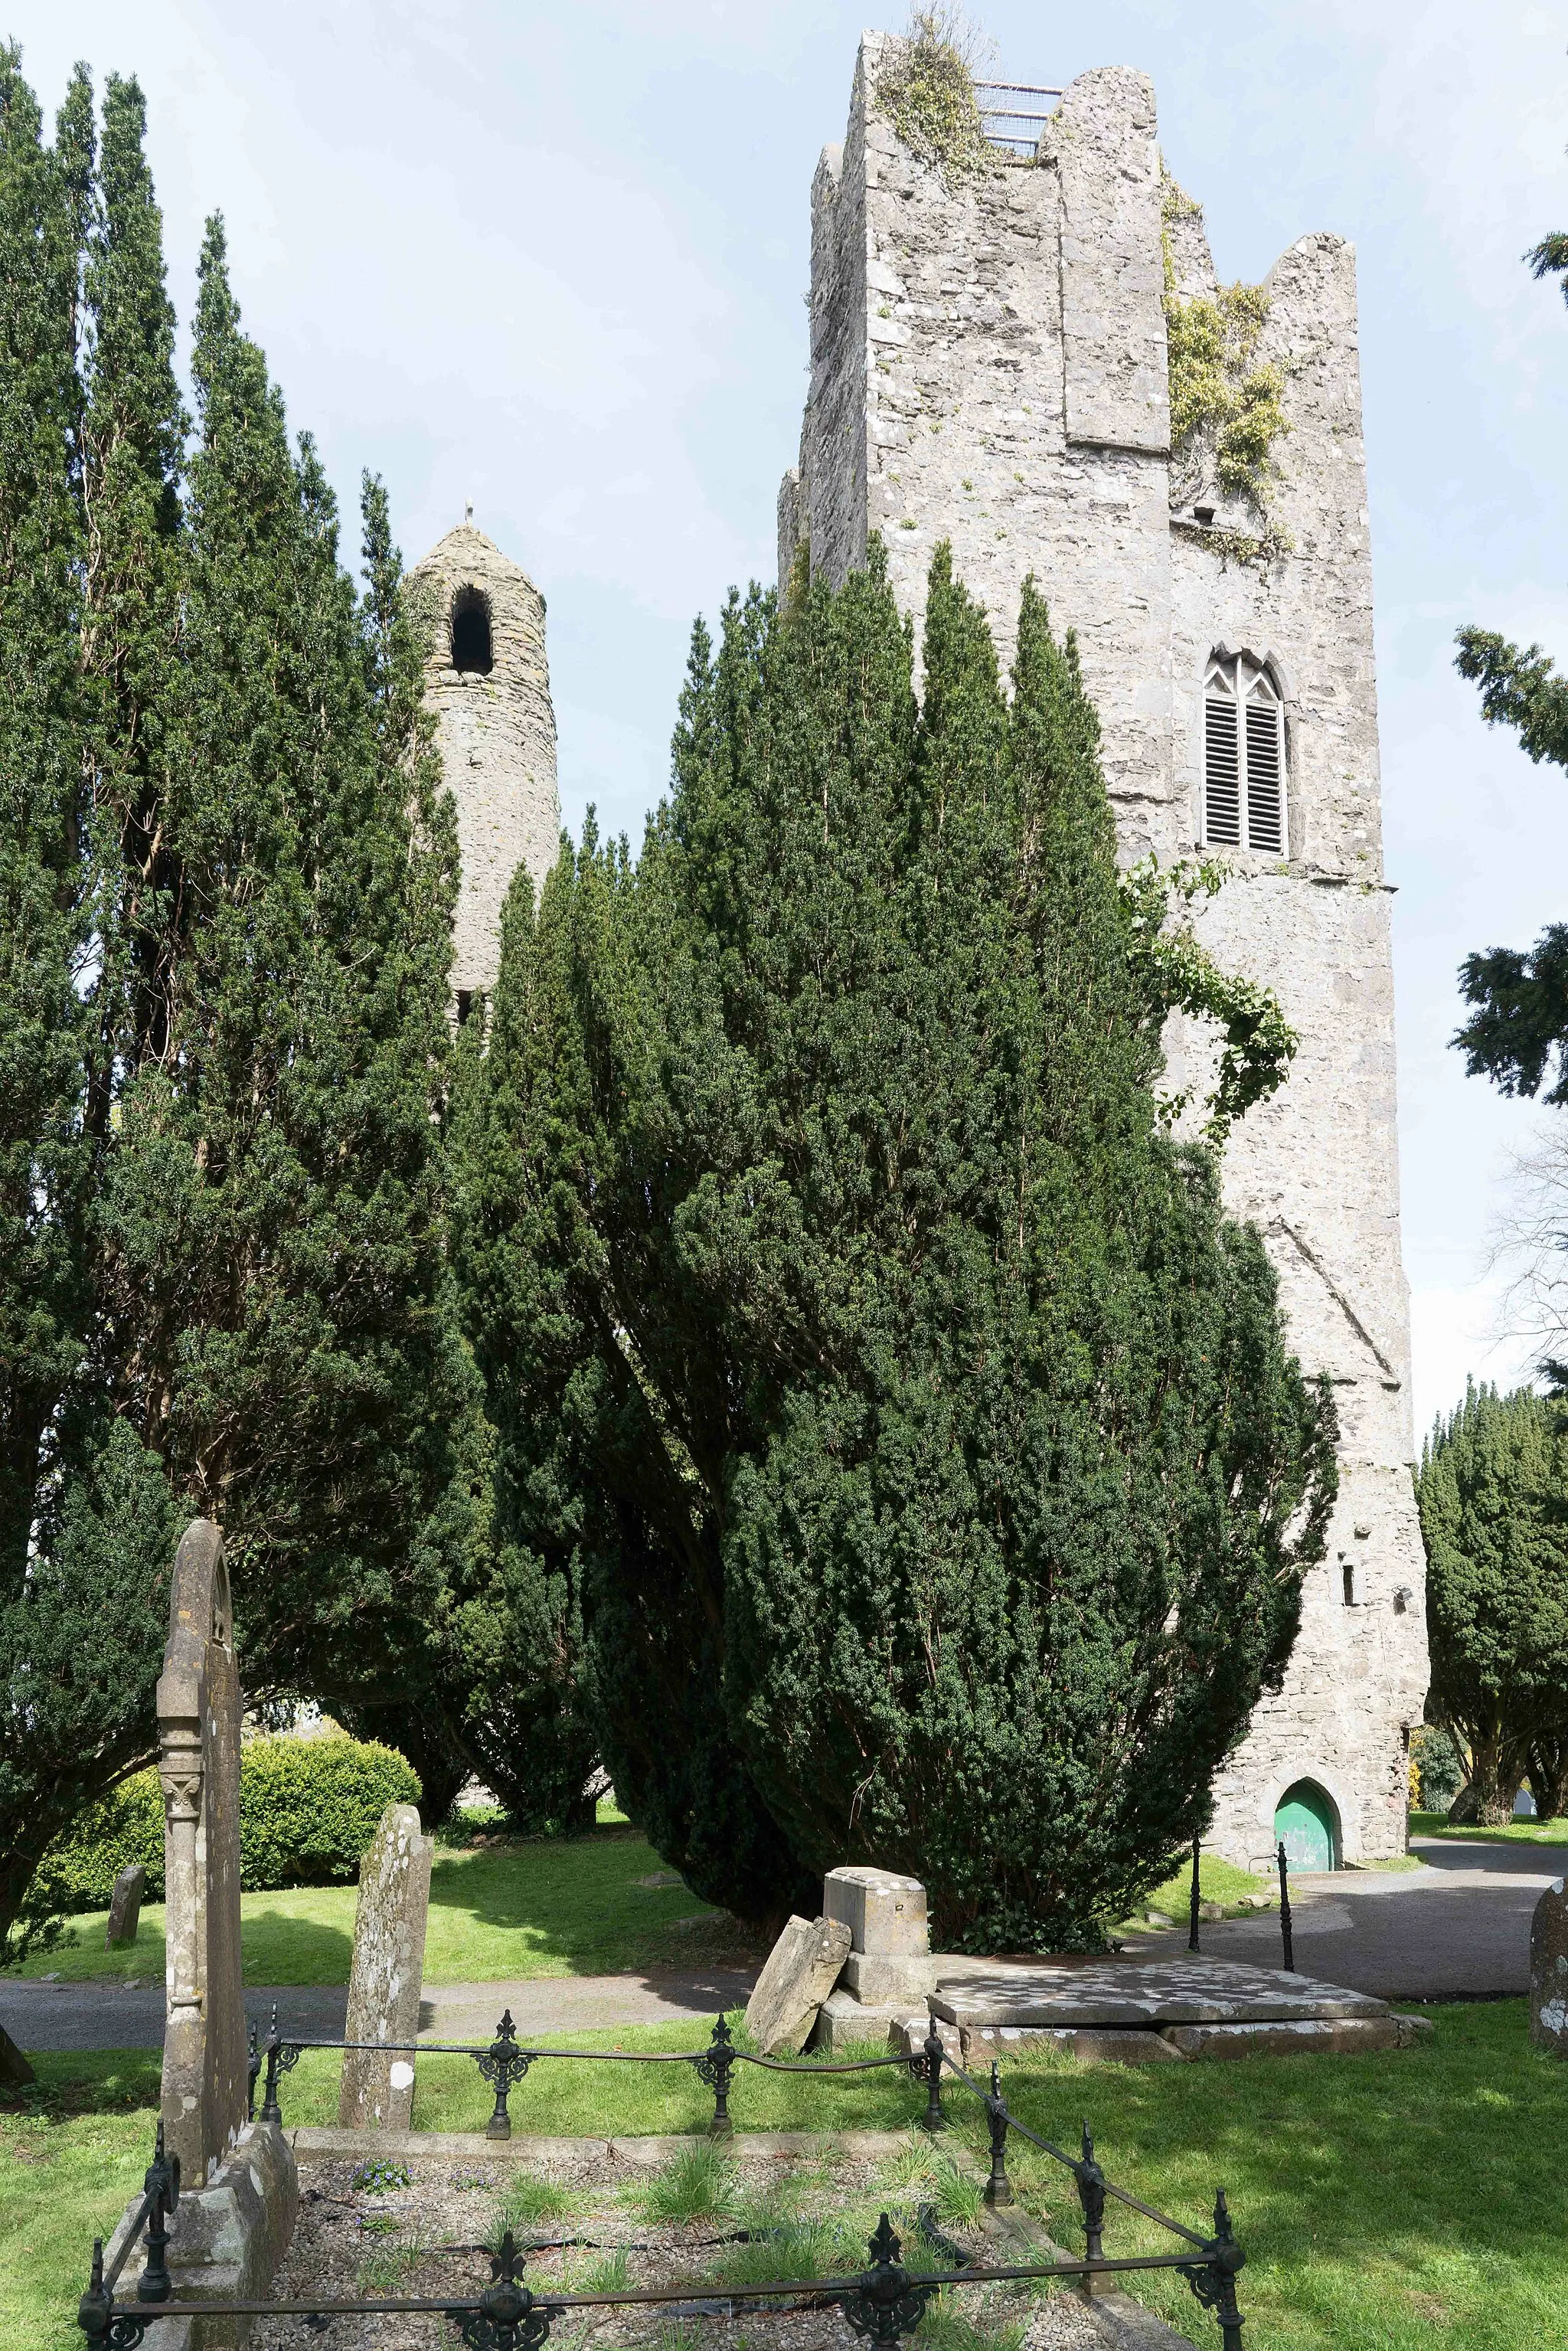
x,y
928,86
1218,399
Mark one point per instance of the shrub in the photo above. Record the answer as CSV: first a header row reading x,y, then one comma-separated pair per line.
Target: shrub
x,y
307,1809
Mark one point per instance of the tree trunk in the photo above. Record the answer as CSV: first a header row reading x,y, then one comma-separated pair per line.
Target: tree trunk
x,y
1549,1774
1495,1774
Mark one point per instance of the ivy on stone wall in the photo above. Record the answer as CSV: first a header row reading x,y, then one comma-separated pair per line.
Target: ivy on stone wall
x,y
1220,403
1179,975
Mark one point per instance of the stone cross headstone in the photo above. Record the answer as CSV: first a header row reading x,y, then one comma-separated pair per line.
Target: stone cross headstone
x,y
204,2069
1549,1971
125,1905
799,1972
388,1969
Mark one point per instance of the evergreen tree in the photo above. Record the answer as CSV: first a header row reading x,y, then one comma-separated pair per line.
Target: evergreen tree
x,y
225,894
1493,1496
952,1482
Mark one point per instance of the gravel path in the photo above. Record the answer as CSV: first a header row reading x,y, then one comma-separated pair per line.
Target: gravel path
x,y
422,2235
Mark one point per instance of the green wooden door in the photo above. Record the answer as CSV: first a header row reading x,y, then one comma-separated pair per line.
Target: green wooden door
x,y
1304,1825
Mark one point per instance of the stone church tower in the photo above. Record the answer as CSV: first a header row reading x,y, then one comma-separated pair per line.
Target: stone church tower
x,y
487,681
990,365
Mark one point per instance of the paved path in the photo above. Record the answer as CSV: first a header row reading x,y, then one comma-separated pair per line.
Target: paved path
x,y
1457,1927
109,2016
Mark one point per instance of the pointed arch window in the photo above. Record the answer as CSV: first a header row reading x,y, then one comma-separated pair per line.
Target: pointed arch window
x,y
1243,757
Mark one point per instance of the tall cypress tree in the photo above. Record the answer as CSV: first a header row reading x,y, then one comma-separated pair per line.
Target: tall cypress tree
x,y
957,1479
224,921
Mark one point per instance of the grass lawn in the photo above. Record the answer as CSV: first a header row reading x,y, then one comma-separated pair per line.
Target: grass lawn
x,y
1437,1824
1385,2203
576,1906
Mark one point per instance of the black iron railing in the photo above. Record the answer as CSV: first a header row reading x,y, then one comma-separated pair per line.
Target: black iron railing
x,y
882,2302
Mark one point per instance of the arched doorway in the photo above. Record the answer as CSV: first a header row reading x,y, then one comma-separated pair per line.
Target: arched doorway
x,y
1307,1825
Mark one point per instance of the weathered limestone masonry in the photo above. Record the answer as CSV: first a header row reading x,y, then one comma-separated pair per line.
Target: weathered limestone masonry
x,y
487,681
988,364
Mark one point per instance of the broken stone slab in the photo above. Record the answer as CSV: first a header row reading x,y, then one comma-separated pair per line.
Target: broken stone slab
x,y
1142,1992
386,1973
885,1914
1089,2044
907,2035
1549,1971
800,1972
1340,2036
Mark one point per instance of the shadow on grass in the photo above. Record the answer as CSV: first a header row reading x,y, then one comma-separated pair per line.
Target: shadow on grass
x,y
87,2082
576,1905
281,1947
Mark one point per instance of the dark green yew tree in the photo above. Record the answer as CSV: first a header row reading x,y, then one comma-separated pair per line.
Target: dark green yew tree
x,y
225,888
1493,1496
951,1483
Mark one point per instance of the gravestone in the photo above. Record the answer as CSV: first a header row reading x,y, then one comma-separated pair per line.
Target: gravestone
x,y
204,2069
1549,1971
15,2071
125,1905
800,1972
388,1969
889,1933
239,2189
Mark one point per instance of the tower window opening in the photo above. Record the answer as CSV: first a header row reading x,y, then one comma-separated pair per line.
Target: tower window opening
x,y
471,631
1349,1575
1243,757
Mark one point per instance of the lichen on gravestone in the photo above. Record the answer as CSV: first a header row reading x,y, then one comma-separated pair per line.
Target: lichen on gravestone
x,y
387,1974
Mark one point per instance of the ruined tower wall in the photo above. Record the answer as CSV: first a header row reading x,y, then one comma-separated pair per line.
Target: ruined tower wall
x,y
496,732
1005,387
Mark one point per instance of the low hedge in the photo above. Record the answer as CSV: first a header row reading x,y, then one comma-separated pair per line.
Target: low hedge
x,y
307,1809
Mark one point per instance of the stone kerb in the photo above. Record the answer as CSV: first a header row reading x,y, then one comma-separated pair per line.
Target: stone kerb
x,y
239,2189
1549,1971
388,1969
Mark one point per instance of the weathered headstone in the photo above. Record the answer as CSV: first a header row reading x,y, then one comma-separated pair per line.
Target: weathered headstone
x,y
239,2189
204,2071
800,1972
1549,1971
125,1905
388,1969
889,1933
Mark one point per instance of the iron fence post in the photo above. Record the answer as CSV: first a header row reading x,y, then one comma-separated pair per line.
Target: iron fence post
x,y
1091,2198
162,2184
252,2067
503,2064
715,2066
1192,1922
933,2119
1213,2281
1289,1948
271,2111
93,2309
998,2187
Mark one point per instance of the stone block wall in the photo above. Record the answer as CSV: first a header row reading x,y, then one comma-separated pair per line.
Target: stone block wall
x,y
1003,385
496,737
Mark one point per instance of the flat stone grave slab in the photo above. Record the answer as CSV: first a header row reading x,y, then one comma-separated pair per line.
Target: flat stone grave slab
x,y
995,1996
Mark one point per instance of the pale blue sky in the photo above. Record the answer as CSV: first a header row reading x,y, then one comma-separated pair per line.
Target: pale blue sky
x,y
553,260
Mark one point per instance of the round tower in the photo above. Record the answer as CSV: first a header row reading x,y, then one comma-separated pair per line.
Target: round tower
x,y
488,681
